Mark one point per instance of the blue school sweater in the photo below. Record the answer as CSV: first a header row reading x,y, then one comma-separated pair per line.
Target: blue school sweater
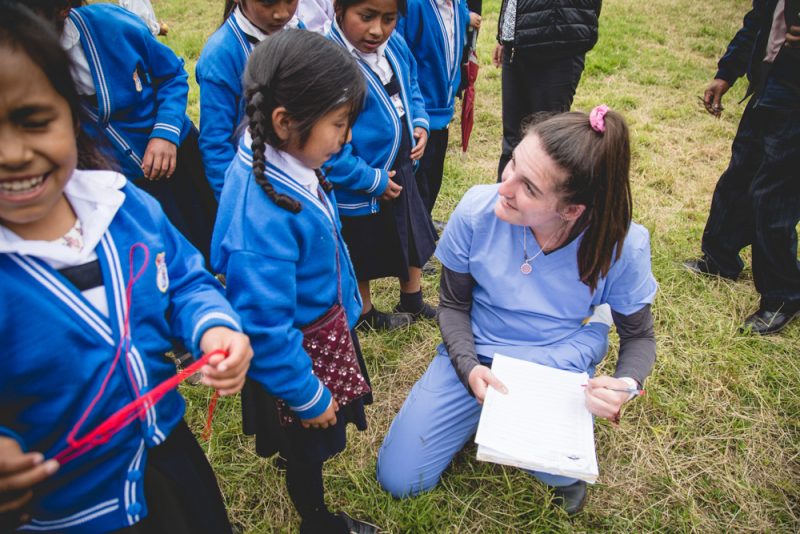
x,y
219,74
141,84
360,171
58,349
426,36
280,269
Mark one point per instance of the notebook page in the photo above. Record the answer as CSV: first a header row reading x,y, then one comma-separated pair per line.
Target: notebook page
x,y
542,423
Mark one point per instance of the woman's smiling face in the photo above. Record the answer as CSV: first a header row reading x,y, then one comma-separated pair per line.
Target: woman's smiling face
x,y
38,150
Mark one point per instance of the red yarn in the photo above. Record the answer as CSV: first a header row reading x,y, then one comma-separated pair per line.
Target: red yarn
x,y
137,408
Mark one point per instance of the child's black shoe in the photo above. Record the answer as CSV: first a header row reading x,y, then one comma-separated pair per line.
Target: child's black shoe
x,y
357,526
378,320
425,311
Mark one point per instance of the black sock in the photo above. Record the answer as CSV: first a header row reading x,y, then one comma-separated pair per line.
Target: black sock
x,y
411,302
304,482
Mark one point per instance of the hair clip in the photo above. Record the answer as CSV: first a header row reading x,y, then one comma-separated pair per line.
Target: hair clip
x,y
597,118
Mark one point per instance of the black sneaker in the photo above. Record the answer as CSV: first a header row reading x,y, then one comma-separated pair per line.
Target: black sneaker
x,y
706,267
357,526
570,498
426,312
378,320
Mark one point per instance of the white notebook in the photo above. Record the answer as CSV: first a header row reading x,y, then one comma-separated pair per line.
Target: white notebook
x,y
542,423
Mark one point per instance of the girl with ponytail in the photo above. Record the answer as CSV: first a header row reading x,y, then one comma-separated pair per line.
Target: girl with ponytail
x,y
278,241
524,263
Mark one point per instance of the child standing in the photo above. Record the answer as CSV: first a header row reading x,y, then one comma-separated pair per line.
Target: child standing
x,y
288,271
80,296
134,90
219,75
435,31
384,220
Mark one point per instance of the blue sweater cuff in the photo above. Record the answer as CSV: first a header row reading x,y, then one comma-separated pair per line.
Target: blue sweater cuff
x,y
169,132
7,432
319,398
210,320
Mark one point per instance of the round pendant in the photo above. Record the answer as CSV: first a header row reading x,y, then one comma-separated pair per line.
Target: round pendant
x,y
525,268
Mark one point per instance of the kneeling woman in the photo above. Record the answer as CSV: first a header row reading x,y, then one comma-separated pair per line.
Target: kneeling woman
x,y
524,263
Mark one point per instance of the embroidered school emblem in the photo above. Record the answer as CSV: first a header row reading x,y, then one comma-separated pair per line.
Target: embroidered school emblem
x,y
137,81
162,277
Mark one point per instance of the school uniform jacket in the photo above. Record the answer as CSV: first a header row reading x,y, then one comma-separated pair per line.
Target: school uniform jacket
x,y
360,171
57,349
219,75
281,275
141,84
438,62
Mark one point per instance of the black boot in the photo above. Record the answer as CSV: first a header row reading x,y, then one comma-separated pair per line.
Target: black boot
x,y
571,498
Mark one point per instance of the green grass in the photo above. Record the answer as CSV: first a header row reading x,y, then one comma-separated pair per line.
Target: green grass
x,y
715,444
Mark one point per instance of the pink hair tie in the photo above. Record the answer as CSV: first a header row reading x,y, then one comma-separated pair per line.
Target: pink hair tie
x,y
597,118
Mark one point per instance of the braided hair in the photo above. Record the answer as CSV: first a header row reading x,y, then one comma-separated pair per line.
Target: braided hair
x,y
308,75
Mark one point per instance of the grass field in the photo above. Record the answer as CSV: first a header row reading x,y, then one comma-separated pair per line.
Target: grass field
x,y
715,444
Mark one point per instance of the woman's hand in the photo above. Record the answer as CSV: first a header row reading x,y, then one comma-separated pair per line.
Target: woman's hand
x,y
160,159
421,135
392,190
480,378
497,55
19,473
323,420
603,402
474,20
226,375
793,37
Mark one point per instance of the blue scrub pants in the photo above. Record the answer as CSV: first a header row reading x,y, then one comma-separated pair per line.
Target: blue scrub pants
x,y
440,416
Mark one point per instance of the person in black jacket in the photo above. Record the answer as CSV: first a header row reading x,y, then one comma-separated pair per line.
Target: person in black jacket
x,y
541,46
757,199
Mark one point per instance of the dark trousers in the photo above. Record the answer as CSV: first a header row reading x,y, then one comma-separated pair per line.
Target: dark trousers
x,y
530,86
757,202
431,167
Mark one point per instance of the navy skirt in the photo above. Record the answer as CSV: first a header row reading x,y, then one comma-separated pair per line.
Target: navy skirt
x,y
260,419
400,235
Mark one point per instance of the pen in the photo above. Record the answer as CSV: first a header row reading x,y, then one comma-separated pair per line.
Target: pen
x,y
629,391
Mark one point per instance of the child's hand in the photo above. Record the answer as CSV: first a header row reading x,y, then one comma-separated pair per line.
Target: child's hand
x,y
19,473
159,159
474,20
226,375
603,402
480,378
325,419
421,135
392,190
497,55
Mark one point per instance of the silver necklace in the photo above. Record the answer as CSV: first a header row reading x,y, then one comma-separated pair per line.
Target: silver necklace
x,y
526,268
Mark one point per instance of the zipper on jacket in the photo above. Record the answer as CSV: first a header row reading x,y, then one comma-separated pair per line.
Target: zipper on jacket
x,y
513,51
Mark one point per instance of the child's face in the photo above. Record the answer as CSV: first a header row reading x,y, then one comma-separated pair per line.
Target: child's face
x,y
270,17
326,139
38,151
369,24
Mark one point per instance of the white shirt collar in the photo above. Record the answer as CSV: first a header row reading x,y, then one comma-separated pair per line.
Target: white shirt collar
x,y
290,165
95,197
248,27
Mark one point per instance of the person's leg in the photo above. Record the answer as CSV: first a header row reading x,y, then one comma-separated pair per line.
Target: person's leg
x,y
555,83
775,195
436,421
306,490
514,104
366,295
730,224
431,167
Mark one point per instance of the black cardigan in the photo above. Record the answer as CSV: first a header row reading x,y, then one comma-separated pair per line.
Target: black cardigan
x,y
552,29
